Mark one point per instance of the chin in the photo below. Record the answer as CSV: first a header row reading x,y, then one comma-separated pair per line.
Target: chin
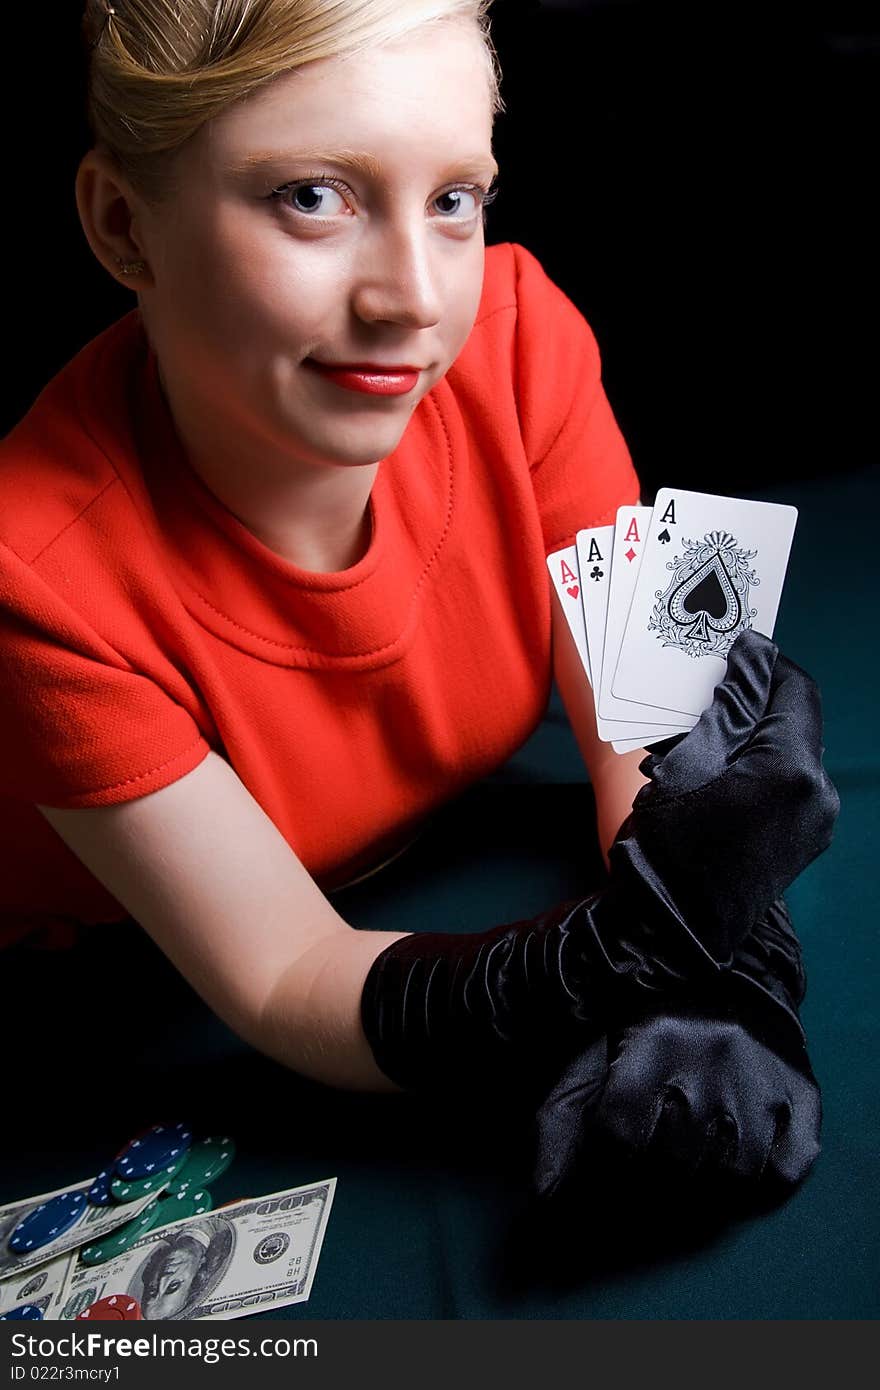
x,y
369,446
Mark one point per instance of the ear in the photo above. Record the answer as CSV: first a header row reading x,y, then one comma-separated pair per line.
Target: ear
x,y
108,210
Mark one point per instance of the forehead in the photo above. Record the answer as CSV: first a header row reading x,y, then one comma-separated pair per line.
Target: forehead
x,y
428,89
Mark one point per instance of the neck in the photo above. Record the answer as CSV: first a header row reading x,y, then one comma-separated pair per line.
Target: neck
x,y
316,516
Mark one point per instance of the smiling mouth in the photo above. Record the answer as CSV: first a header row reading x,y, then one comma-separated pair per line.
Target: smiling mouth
x,y
370,381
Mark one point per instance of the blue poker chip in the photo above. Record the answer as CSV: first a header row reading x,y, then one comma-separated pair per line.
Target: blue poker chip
x,y
47,1221
99,1193
156,1149
24,1310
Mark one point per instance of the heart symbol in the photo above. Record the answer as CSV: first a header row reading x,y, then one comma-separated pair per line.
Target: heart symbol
x,y
573,590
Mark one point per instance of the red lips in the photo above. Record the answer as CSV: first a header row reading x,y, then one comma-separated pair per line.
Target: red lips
x,y
372,379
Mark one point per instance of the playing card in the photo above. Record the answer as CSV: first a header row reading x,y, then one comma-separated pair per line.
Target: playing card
x,y
594,564
624,561
712,568
627,745
563,567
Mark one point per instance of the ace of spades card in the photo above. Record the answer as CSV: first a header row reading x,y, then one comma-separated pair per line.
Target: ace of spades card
x,y
712,568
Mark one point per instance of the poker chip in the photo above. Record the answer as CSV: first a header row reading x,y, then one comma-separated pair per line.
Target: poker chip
x,y
47,1221
155,1149
123,1238
204,1162
24,1310
99,1192
129,1190
176,1206
116,1307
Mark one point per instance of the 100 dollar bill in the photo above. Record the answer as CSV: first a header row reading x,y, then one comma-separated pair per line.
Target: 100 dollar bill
x,y
256,1256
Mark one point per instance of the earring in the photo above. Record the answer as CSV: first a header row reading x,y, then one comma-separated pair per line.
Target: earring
x,y
130,267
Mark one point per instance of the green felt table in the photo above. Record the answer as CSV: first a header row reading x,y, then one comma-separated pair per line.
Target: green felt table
x,y
430,1218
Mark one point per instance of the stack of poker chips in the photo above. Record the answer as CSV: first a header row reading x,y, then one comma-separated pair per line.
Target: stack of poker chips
x,y
163,1160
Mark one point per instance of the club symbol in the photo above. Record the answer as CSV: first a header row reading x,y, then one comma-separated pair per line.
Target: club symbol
x,y
596,573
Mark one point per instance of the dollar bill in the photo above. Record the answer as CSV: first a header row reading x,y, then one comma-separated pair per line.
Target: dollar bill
x,y
92,1223
42,1286
255,1256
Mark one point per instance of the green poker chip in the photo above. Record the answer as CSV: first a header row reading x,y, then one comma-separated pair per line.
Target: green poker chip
x,y
130,1189
176,1206
123,1238
205,1161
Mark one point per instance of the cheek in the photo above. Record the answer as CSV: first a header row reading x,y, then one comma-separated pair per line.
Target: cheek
x,y
463,300
235,277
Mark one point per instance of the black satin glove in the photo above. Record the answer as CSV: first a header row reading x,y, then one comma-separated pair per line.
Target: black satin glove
x,y
738,806
719,1088
500,1010
740,803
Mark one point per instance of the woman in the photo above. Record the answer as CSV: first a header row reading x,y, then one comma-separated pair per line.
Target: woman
x,y
274,579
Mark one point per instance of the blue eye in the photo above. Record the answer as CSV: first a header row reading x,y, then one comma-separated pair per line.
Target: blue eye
x,y
306,188
482,198
457,194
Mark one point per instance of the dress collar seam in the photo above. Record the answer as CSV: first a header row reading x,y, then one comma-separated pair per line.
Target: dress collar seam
x,y
316,652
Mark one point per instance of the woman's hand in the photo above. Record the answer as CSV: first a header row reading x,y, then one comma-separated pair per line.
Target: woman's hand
x,y
718,1086
737,807
684,1089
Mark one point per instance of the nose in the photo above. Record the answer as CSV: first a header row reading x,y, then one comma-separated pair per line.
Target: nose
x,y
397,281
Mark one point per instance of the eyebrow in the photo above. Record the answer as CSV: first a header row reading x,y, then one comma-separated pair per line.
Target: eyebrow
x,y
354,159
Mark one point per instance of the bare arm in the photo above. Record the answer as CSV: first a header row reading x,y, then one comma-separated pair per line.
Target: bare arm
x,y
615,776
211,879
208,875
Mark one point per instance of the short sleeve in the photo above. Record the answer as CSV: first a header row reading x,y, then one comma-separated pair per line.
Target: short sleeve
x,y
78,726
580,465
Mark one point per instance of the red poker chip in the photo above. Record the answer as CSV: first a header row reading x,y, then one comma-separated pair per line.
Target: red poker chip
x,y
116,1307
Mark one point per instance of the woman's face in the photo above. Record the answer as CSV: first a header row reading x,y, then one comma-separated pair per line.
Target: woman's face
x,y
376,257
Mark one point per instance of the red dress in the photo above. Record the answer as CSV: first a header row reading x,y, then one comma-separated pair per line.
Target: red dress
x,y
141,624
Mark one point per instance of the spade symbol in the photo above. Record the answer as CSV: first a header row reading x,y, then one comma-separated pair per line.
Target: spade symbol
x,y
664,538
706,595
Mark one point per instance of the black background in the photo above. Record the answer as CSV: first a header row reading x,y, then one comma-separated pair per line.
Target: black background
x,y
696,176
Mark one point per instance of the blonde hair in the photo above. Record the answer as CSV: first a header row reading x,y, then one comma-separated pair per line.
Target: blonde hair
x,y
159,69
